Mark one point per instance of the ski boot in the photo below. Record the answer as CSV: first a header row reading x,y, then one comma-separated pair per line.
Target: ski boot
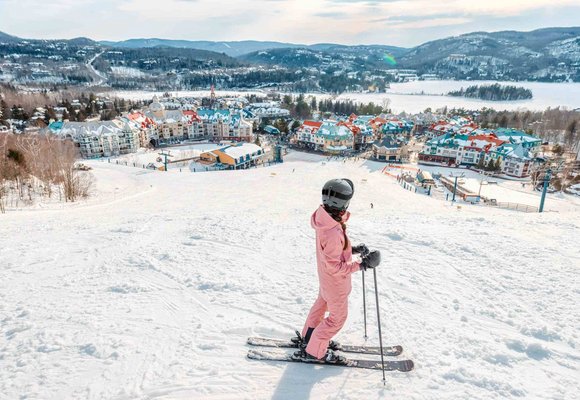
x,y
330,357
298,340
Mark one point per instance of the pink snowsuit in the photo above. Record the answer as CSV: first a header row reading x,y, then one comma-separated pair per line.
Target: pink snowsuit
x,y
334,270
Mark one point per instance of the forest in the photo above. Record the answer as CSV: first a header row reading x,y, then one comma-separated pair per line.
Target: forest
x,y
494,92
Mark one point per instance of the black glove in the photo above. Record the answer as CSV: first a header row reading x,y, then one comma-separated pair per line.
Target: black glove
x,y
361,249
372,260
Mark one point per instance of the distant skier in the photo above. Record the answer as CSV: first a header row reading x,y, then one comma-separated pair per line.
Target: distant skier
x,y
334,259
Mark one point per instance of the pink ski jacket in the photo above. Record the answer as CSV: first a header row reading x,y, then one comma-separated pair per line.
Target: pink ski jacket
x,y
334,261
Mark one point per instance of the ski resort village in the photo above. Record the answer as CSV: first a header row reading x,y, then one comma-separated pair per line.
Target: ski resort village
x,y
289,200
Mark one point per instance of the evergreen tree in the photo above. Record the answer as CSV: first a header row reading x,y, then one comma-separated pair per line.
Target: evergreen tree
x,y
5,112
295,125
481,162
313,104
302,110
490,166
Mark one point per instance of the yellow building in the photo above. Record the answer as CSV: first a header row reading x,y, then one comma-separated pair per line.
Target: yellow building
x,y
239,156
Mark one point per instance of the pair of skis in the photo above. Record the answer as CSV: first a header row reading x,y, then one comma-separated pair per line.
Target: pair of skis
x,y
269,354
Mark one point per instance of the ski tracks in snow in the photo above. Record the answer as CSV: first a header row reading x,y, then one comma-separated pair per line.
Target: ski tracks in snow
x,y
139,298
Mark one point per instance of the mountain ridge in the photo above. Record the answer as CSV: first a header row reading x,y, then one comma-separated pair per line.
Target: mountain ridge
x,y
547,54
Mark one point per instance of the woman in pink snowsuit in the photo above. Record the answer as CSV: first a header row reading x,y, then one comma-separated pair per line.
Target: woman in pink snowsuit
x,y
334,259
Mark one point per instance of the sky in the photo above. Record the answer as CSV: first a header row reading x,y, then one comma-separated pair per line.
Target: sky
x,y
403,23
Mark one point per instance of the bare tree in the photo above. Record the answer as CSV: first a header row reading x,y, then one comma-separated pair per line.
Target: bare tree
x,y
34,165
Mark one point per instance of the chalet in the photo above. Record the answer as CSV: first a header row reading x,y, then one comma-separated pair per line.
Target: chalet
x,y
305,135
336,139
390,150
239,156
360,129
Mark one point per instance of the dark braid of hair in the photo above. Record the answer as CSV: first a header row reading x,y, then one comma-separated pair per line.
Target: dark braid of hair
x,y
338,219
344,233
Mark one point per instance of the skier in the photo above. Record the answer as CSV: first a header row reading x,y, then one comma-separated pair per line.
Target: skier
x,y
333,255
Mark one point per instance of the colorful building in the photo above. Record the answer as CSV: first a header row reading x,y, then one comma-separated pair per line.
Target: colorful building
x,y
97,139
225,125
480,147
239,156
329,136
390,150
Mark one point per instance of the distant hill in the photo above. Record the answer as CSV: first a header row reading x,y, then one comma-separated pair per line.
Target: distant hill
x,y
541,54
324,56
358,49
82,41
232,49
240,48
549,55
6,38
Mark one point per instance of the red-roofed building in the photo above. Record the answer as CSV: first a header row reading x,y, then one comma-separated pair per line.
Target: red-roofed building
x,y
306,134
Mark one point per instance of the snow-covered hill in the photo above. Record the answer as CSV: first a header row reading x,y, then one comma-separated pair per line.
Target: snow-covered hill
x,y
151,293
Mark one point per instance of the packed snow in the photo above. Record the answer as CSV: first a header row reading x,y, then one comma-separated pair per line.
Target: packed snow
x,y
145,157
150,289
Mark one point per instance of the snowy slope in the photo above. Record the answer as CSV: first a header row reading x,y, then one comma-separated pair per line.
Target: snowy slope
x,y
151,293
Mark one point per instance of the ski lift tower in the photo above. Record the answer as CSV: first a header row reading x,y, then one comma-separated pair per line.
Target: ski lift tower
x,y
165,156
455,184
278,154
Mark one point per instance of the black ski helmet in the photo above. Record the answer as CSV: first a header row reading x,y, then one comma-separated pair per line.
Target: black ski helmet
x,y
336,194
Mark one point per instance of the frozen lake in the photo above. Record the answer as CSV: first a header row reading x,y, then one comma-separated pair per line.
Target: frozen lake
x,y
413,97
417,96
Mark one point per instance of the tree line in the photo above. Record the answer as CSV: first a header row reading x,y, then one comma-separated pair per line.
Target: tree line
x,y
495,92
21,106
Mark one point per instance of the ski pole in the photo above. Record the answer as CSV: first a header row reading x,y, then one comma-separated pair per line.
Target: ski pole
x,y
364,303
379,322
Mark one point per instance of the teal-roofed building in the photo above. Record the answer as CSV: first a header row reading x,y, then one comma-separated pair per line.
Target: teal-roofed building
x,y
272,130
337,139
515,136
225,125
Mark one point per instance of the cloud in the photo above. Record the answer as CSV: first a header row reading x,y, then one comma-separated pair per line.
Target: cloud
x,y
395,22
431,22
332,14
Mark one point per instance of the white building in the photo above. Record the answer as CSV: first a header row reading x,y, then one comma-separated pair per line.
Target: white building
x,y
100,138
